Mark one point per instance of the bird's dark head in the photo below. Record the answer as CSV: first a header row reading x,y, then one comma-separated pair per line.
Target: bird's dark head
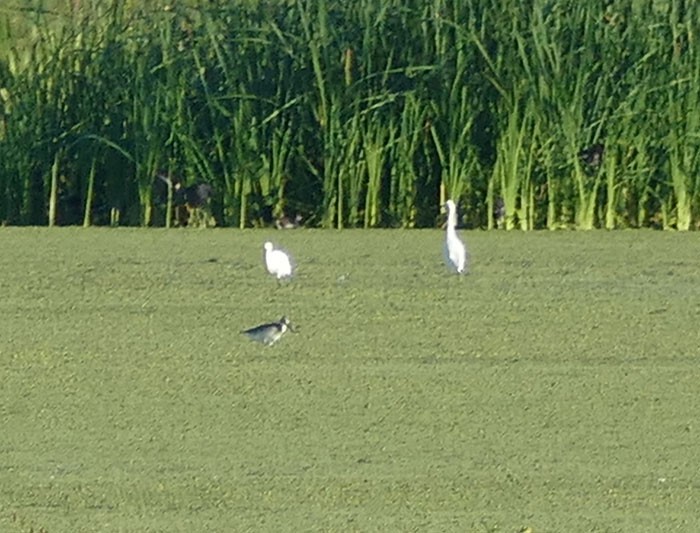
x,y
285,322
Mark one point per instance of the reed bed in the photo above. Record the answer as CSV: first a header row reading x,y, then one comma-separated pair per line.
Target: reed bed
x,y
354,114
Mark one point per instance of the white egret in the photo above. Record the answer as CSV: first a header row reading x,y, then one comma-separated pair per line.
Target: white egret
x,y
455,252
270,333
277,262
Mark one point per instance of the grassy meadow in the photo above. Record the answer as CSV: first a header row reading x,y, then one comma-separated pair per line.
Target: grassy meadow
x,y
554,388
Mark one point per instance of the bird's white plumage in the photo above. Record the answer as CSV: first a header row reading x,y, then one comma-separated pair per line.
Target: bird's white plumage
x,y
455,252
277,262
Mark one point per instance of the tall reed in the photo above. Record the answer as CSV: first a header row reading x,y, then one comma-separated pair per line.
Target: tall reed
x,y
353,113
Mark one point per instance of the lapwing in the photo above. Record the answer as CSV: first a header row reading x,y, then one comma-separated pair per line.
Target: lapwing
x,y
270,333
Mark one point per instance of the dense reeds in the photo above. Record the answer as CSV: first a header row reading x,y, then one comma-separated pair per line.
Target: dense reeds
x,y
355,114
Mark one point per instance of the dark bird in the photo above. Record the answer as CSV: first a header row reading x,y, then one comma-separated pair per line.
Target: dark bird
x,y
270,333
593,155
284,222
499,211
195,196
190,203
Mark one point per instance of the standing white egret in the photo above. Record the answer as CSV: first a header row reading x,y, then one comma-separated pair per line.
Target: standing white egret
x,y
455,252
277,262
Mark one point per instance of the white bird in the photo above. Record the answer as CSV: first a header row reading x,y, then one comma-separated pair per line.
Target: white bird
x,y
270,333
277,262
455,252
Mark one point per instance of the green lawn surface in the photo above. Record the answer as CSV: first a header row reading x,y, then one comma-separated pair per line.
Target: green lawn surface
x,y
556,387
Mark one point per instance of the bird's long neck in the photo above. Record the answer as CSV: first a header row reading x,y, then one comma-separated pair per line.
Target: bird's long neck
x,y
451,220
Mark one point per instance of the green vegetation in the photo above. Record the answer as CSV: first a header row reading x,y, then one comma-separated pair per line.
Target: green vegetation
x,y
357,114
556,387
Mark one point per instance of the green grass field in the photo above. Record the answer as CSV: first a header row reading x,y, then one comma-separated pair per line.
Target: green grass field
x,y
556,388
